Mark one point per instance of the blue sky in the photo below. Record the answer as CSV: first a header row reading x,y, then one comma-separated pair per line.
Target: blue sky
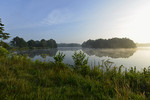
x,y
75,21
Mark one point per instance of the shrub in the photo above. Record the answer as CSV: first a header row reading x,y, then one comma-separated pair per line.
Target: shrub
x,y
79,60
3,51
59,57
81,63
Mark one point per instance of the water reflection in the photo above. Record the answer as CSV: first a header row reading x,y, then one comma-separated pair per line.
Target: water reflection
x,y
39,52
128,57
113,53
69,48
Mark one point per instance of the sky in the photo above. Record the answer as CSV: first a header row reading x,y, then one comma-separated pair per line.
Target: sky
x,y
76,21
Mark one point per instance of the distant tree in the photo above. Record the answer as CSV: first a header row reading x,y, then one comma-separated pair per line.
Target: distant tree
x,y
37,44
52,43
43,43
88,43
31,43
109,43
55,44
19,42
3,35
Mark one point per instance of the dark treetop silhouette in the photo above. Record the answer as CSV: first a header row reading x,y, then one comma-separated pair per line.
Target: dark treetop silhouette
x,y
109,43
20,42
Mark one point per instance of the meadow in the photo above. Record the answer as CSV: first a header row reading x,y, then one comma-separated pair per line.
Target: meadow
x,y
21,79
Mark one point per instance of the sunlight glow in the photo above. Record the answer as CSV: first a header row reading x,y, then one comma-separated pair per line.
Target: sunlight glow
x,y
137,25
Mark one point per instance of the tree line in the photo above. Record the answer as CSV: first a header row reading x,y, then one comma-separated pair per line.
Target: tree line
x,y
21,43
109,43
99,43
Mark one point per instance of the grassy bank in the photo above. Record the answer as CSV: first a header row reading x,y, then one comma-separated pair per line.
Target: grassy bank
x,y
21,78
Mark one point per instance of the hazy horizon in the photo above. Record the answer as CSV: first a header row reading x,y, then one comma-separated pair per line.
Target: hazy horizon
x,y
75,21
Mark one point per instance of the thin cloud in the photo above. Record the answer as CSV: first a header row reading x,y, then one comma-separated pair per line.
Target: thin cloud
x,y
58,17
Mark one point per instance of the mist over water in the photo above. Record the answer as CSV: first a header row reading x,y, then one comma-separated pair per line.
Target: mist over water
x,y
138,57
113,53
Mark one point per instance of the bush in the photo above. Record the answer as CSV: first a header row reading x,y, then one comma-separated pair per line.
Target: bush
x,y
3,51
59,57
79,60
80,63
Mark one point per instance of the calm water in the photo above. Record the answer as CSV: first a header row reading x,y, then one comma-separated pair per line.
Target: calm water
x,y
139,57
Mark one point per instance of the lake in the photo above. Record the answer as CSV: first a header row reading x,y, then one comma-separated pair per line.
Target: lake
x,y
139,57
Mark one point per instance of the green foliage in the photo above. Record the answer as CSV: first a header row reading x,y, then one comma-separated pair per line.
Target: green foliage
x,y
42,44
3,44
81,63
110,43
3,35
59,57
3,52
21,78
20,43
79,59
31,43
51,43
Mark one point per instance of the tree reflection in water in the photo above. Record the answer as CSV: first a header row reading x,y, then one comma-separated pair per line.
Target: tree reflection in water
x,y
39,52
113,53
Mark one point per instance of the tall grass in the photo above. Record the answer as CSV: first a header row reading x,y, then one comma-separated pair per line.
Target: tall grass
x,y
21,78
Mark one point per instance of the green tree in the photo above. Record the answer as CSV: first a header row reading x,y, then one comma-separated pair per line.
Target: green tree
x,y
3,35
59,57
109,43
81,62
31,43
79,59
37,43
51,43
43,43
19,42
